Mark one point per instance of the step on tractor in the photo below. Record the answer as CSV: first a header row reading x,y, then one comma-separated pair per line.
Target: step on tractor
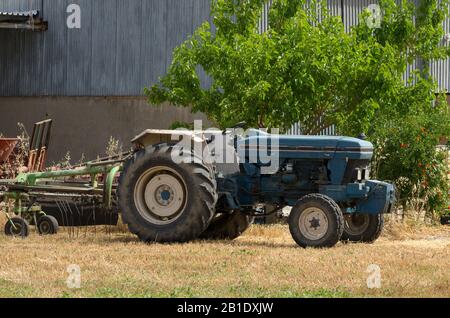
x,y
172,188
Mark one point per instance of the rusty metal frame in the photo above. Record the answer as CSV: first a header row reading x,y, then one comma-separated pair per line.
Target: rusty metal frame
x,y
39,142
6,148
36,26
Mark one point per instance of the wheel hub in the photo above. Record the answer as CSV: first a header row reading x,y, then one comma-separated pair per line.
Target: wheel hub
x,y
313,223
164,195
160,195
16,229
356,224
44,226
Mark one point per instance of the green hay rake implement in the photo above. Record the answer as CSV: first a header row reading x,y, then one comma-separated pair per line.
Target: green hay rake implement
x,y
25,192
90,184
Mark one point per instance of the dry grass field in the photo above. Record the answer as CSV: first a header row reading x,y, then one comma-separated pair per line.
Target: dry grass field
x,y
265,262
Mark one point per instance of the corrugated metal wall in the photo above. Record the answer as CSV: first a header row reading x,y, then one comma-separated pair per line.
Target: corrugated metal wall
x,y
350,11
264,21
441,69
121,47
20,5
335,7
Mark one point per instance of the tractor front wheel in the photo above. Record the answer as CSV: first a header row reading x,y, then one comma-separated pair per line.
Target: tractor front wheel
x,y
227,226
361,227
316,221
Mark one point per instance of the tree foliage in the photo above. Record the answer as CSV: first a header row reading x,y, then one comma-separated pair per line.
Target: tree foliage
x,y
307,68
406,154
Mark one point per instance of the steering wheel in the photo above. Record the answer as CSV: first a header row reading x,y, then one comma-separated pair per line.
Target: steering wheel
x,y
241,124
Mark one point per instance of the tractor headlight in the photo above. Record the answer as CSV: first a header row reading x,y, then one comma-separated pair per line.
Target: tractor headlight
x,y
367,173
362,173
358,174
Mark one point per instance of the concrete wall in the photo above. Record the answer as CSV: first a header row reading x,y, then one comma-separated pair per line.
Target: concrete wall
x,y
85,124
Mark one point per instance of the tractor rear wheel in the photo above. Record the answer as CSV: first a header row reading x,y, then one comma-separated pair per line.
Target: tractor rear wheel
x,y
164,201
227,226
361,227
316,221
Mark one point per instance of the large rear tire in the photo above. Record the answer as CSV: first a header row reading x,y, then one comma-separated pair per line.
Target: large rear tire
x,y
364,228
227,226
164,201
316,221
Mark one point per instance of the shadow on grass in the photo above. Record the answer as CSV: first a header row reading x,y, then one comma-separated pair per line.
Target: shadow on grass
x,y
128,238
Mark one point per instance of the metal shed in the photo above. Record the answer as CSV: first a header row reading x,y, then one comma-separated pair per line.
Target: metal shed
x,y
119,48
90,78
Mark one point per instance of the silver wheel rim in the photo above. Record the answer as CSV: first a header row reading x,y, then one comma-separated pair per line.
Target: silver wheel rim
x,y
17,230
160,195
313,223
356,224
44,227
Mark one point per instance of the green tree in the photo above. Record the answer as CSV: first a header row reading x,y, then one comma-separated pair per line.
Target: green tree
x,y
406,154
306,68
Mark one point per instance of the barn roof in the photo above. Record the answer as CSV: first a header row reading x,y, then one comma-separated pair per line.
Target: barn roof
x,y
25,20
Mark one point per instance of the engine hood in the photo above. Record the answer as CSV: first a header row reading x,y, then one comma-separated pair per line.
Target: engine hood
x,y
299,146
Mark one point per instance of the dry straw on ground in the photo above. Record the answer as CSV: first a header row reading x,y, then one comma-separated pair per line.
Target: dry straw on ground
x,y
265,262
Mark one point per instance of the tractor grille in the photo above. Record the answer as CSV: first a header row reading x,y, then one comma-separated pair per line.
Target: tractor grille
x,y
351,172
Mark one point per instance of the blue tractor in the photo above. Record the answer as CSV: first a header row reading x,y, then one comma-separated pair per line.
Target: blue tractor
x,y
168,192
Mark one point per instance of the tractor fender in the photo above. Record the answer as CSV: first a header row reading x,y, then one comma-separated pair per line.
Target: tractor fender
x,y
156,136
